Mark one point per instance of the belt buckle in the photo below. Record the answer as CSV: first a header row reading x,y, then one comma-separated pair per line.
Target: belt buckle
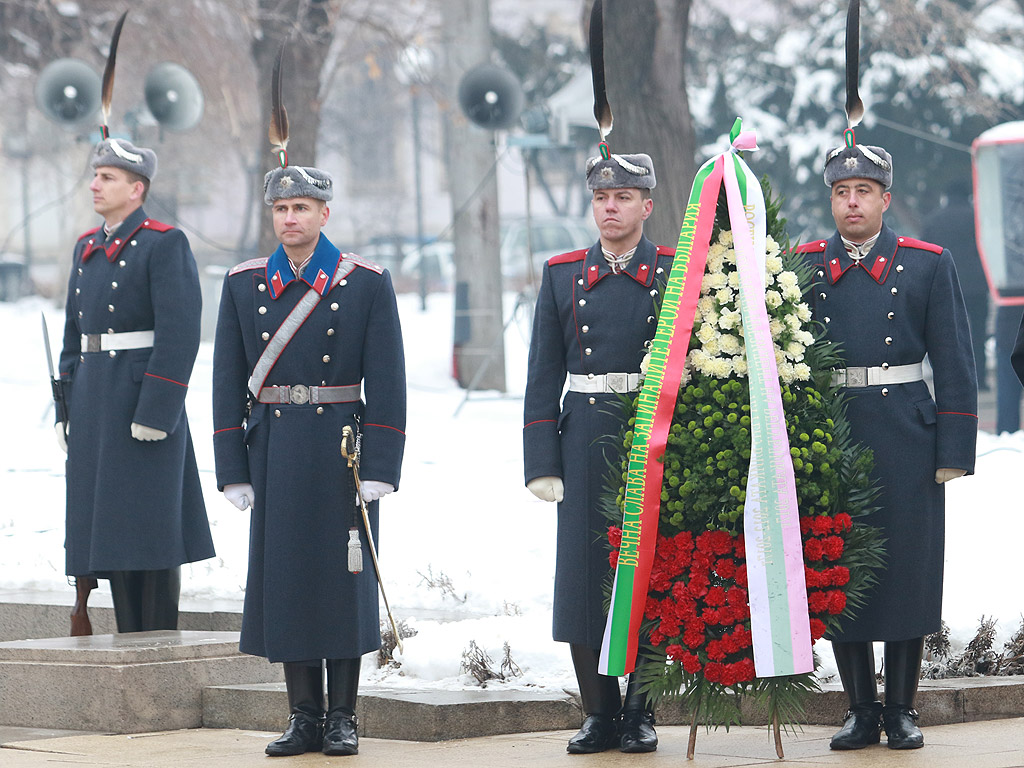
x,y
857,377
92,342
617,382
298,394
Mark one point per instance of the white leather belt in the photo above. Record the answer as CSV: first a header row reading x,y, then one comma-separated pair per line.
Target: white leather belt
x,y
877,375
604,383
300,394
102,342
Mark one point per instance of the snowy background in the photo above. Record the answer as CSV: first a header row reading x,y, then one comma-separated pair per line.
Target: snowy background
x,y
461,518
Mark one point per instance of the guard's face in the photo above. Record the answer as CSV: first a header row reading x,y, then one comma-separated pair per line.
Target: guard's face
x,y
298,220
114,194
857,207
620,216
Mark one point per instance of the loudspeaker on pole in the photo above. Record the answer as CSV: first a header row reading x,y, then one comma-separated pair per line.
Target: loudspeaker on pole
x,y
490,96
68,92
174,97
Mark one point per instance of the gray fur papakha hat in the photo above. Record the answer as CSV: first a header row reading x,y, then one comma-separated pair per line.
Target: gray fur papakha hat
x,y
121,153
296,181
620,172
859,161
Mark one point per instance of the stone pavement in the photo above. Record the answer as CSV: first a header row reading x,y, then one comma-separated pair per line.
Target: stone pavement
x,y
984,744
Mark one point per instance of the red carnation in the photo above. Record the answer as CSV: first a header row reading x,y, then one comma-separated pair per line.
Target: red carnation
x,y
725,567
715,596
713,672
716,651
693,638
736,597
691,663
839,575
653,608
817,629
818,601
822,526
833,546
813,550
843,521
811,577
675,652
614,536
741,575
613,559
711,616
836,602
806,523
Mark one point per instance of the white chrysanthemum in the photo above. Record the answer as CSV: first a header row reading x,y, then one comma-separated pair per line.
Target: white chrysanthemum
x,y
795,351
723,296
725,237
734,280
787,279
803,312
716,250
773,299
792,322
717,280
776,326
705,305
706,333
719,367
739,364
730,319
802,371
730,256
787,374
780,356
730,344
712,318
771,247
705,283
792,293
773,264
769,279
804,337
715,262
711,346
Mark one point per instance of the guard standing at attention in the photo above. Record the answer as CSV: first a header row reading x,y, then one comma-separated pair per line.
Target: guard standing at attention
x,y
135,510
308,342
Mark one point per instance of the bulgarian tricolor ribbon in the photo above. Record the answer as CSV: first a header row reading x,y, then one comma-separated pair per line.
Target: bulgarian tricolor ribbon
x,y
778,599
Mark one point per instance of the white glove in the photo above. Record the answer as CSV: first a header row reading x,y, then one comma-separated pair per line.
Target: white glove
x,y
547,488
945,473
139,432
240,494
371,490
62,441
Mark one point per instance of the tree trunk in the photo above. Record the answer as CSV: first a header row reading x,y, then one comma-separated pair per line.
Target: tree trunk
x,y
645,69
306,30
479,352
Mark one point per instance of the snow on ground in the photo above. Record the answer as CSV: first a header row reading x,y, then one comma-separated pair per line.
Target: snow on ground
x,y
467,553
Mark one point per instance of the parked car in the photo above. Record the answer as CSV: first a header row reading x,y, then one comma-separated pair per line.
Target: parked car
x,y
548,236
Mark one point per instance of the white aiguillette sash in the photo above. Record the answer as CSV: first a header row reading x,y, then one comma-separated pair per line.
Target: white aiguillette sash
x,y
284,334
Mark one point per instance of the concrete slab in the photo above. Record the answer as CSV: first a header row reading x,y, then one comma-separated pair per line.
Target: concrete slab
x,y
987,744
120,683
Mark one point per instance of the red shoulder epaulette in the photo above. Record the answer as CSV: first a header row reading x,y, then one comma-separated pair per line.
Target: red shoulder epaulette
x,y
568,258
910,242
359,261
666,250
812,247
259,263
92,231
156,226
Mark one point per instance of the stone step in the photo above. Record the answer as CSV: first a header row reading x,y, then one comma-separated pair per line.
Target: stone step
x,y
133,683
28,614
439,715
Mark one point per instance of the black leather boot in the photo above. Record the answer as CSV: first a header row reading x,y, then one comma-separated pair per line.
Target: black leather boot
x,y
902,672
305,732
636,723
601,701
340,737
145,600
862,726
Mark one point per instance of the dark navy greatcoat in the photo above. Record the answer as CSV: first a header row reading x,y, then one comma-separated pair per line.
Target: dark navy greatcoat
x,y
900,303
587,320
301,602
132,505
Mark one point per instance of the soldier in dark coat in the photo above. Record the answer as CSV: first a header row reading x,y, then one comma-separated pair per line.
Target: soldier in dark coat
x,y
890,301
135,510
595,313
299,335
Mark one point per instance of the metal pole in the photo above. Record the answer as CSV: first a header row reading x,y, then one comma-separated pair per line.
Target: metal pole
x,y
26,275
417,181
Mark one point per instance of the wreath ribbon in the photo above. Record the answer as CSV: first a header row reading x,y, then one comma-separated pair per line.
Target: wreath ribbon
x,y
779,621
